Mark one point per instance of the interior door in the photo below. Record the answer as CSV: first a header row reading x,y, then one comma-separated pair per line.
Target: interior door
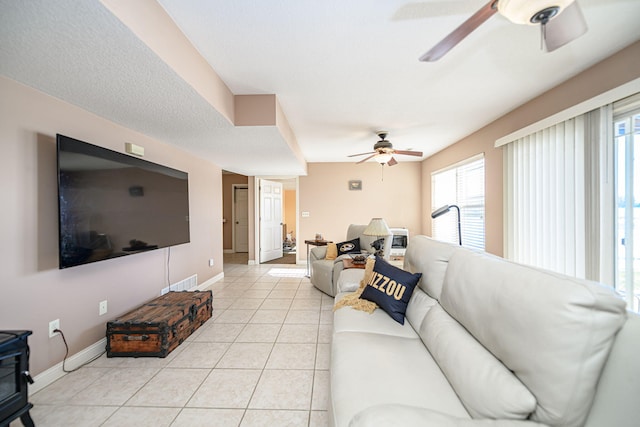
x,y
241,216
270,220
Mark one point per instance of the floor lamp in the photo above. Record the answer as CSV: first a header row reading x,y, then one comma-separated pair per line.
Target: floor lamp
x,y
443,210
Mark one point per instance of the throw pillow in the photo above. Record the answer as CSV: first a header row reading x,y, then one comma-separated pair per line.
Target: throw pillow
x,y
390,287
349,246
332,251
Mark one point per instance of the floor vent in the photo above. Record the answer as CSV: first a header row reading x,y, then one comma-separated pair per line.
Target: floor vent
x,y
183,285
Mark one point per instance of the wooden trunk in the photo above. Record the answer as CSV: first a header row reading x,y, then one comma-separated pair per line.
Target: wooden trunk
x,y
157,327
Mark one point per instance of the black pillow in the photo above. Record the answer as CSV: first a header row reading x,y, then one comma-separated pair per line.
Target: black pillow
x,y
349,246
390,287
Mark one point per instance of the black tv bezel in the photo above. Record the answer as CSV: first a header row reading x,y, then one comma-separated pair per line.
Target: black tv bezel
x,y
112,155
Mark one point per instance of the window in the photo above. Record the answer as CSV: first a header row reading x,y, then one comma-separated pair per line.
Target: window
x,y
572,197
461,185
627,199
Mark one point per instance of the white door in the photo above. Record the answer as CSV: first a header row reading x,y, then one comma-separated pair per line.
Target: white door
x,y
241,216
270,220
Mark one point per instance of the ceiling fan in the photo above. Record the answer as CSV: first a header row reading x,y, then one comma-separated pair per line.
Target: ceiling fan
x,y
383,151
561,21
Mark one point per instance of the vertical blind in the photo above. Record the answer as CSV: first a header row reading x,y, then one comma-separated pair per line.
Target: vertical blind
x,y
553,210
461,185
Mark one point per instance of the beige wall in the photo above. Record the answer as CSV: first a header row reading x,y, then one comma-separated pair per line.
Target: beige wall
x,y
616,70
228,180
33,290
324,193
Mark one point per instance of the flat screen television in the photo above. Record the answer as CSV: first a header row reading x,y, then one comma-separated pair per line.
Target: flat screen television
x,y
111,204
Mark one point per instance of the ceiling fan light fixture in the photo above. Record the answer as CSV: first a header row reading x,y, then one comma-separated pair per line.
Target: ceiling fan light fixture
x,y
531,12
383,158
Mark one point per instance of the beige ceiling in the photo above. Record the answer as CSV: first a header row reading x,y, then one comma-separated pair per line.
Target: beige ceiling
x,y
340,71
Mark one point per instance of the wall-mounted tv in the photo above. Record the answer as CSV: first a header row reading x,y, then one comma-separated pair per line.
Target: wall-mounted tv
x,y
111,204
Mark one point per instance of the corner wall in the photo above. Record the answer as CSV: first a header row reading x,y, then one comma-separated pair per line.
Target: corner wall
x,y
618,69
33,290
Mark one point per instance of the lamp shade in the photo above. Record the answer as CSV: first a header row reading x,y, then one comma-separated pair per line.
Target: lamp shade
x,y
377,227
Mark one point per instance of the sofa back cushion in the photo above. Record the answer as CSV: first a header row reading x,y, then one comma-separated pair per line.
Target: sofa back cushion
x,y
485,386
552,331
429,257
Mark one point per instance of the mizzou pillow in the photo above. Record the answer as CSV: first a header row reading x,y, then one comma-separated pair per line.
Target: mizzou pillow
x,y
349,246
390,287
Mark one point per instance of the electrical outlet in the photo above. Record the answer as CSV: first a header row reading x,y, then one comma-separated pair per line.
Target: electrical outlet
x,y
53,325
211,262
102,307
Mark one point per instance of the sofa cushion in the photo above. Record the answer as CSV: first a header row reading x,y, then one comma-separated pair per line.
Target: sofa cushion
x,y
486,387
390,287
554,332
419,305
349,246
370,369
429,257
396,415
347,319
349,280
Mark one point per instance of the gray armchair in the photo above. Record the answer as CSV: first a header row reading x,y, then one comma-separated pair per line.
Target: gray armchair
x,y
325,273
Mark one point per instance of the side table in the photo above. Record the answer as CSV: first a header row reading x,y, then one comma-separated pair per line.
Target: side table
x,y
314,243
348,263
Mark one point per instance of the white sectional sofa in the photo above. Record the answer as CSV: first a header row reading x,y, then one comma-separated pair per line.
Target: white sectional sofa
x,y
486,342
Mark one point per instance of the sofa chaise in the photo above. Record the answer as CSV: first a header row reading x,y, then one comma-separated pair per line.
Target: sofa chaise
x,y
486,342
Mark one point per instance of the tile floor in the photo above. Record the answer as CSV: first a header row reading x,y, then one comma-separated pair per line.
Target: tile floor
x,y
262,360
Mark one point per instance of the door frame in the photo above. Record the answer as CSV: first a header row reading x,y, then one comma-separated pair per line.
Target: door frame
x,y
256,214
233,214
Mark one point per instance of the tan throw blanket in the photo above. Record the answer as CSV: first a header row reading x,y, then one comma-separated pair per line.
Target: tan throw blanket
x,y
353,299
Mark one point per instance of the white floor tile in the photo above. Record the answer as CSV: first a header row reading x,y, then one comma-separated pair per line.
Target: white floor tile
x,y
262,360
283,389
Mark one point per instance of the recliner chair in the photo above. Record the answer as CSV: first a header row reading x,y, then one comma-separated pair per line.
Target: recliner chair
x,y
325,273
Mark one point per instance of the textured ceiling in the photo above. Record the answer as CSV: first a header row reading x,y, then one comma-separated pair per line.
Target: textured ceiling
x,y
341,70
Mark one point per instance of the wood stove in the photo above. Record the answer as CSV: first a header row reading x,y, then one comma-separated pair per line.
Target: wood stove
x,y
14,378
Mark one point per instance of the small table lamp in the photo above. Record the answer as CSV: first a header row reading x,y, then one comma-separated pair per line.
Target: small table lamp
x,y
377,227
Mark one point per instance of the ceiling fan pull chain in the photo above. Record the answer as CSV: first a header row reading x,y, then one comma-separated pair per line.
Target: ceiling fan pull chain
x,y
543,35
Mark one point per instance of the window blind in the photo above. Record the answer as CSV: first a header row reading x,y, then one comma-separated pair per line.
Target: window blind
x,y
461,185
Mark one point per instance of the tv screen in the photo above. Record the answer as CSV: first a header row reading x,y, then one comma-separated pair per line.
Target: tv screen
x,y
111,204
399,242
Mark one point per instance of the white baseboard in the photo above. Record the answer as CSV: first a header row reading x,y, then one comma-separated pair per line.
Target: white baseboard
x,y
55,372
204,285
252,262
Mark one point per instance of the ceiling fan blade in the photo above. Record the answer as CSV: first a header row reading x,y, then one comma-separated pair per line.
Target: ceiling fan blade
x,y
366,158
408,153
362,154
564,28
392,162
457,35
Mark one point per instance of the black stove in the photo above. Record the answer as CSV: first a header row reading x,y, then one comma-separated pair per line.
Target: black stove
x,y
14,378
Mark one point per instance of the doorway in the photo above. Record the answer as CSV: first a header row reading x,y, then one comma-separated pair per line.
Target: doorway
x,y
240,218
288,221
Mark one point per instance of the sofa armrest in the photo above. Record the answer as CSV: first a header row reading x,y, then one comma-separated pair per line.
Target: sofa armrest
x,y
317,252
396,415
